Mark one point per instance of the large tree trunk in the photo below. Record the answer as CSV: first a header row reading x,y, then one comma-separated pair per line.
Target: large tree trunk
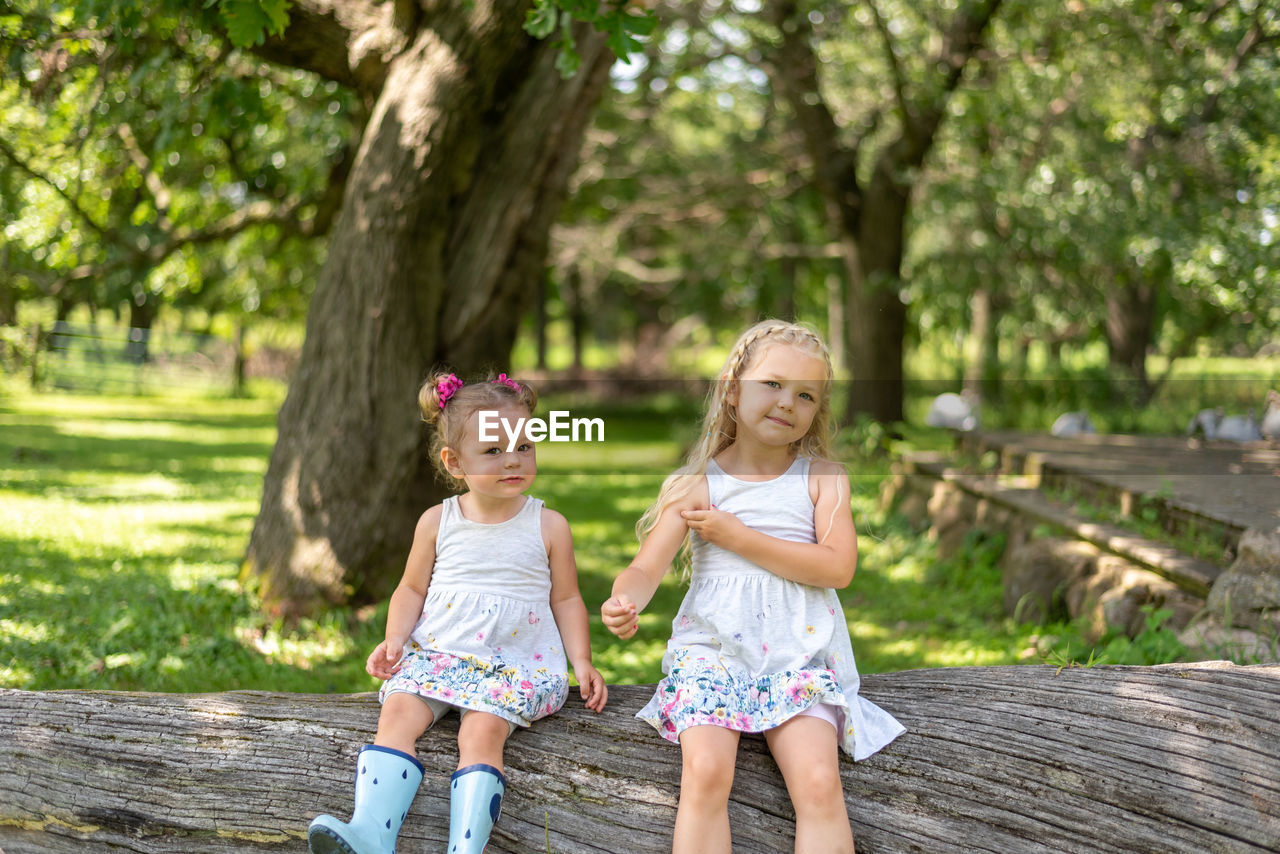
x,y
8,291
1024,760
433,260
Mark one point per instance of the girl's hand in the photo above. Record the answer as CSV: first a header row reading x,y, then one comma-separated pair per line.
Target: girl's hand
x,y
620,616
718,527
384,661
591,685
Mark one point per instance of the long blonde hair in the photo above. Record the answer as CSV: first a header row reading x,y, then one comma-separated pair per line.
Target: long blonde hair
x,y
720,424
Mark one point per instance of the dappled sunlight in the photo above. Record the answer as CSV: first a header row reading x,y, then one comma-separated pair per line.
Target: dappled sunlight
x,y
189,577
122,659
609,457
171,430
122,539
634,661
41,586
15,676
85,486
29,631
864,630
301,649
86,526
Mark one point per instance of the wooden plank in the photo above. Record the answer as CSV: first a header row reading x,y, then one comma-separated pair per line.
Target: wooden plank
x,y
1192,574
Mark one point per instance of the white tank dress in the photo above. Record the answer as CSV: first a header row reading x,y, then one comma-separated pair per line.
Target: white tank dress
x,y
487,640
750,650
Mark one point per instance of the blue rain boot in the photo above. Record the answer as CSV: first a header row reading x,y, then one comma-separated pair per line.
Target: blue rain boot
x,y
386,781
475,802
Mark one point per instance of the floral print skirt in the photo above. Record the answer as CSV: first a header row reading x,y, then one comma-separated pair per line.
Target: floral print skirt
x,y
700,690
517,694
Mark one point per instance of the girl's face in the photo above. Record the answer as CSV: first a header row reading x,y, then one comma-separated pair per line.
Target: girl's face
x,y
488,468
778,395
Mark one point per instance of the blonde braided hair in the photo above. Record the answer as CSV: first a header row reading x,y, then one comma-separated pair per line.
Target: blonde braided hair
x,y
720,424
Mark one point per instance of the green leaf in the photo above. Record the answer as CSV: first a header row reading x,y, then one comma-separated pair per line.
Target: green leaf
x,y
278,12
640,25
249,22
621,29
581,10
568,60
541,20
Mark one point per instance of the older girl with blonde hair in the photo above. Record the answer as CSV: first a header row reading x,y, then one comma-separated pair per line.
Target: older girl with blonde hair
x,y
760,643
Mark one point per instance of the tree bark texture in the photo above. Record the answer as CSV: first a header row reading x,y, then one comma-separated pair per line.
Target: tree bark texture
x,y
433,259
1032,760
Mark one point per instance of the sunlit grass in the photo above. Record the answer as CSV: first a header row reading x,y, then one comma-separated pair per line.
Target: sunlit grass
x,y
122,524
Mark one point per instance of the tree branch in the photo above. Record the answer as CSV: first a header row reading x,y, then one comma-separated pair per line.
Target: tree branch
x,y
259,213
962,42
160,194
80,212
348,42
262,212
899,82
795,72
1254,37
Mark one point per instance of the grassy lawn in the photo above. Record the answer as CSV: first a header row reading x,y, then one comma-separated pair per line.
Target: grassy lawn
x,y
123,522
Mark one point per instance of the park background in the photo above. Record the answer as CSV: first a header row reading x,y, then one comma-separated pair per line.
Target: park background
x,y
1057,206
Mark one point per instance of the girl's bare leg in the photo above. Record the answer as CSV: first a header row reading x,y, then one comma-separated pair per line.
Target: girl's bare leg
x,y
404,718
807,753
708,754
481,737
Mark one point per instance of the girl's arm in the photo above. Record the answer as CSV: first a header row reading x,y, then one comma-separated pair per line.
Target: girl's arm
x,y
406,602
830,562
635,585
569,610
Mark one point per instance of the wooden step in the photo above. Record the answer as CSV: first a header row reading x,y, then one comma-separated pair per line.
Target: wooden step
x,y
1020,493
1133,473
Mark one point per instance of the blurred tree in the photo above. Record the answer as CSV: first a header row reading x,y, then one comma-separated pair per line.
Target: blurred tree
x,y
1110,179
151,129
686,219
865,155
138,144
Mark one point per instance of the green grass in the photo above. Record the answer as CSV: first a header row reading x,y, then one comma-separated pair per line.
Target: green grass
x,y
123,521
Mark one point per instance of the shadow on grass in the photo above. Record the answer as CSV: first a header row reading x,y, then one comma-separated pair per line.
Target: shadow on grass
x,y
107,622
123,530
41,458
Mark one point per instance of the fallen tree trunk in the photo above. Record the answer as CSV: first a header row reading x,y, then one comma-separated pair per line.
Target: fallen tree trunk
x,y
1003,759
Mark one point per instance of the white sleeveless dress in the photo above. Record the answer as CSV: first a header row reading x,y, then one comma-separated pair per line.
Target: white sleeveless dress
x,y
750,650
487,639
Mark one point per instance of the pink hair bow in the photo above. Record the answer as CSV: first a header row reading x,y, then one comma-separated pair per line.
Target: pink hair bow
x,y
447,387
503,379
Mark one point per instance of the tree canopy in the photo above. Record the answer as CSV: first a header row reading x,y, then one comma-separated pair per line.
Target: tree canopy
x,y
1096,161
147,160
1015,176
